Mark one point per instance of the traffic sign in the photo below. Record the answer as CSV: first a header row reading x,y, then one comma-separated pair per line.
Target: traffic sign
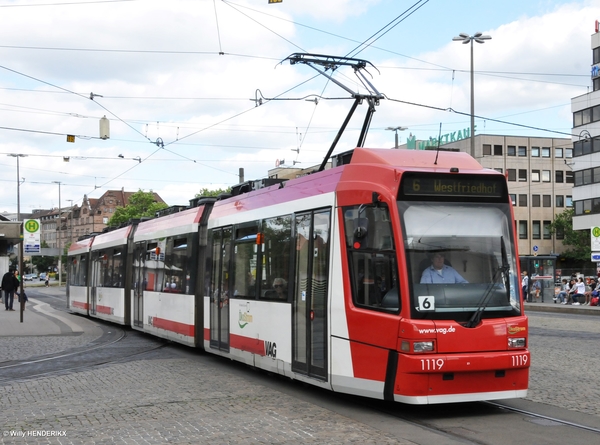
x,y
595,256
535,248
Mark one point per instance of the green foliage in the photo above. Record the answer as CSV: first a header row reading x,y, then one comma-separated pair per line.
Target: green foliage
x,y
140,204
576,241
213,193
43,263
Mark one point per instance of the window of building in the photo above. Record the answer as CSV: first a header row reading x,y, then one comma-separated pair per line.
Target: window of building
x,y
596,175
587,176
568,153
546,175
511,174
522,150
569,201
547,234
511,150
547,200
535,229
499,170
545,152
522,229
577,118
522,200
487,149
569,179
497,150
535,200
596,205
535,176
596,144
513,199
559,176
558,152
560,234
586,116
522,175
535,152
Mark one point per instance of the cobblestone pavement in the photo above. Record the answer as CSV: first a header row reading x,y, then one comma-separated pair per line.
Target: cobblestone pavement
x,y
565,361
179,396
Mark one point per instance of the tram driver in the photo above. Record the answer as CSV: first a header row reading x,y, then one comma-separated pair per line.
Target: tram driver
x,y
440,273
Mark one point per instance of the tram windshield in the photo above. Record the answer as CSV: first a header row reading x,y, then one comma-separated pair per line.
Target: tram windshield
x,y
460,259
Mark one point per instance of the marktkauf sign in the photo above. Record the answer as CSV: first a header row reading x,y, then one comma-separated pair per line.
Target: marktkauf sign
x,y
31,236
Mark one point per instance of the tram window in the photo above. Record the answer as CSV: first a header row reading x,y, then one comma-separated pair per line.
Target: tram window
x,y
176,266
274,278
154,266
372,258
245,261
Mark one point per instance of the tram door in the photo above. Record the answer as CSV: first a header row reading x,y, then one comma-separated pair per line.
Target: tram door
x,y
95,279
139,257
219,289
310,295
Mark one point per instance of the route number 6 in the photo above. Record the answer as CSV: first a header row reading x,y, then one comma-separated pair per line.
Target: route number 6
x,y
427,303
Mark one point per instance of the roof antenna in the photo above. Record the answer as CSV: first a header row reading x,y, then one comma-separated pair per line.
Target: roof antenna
x,y
438,147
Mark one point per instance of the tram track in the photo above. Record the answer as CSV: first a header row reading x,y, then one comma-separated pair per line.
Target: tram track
x,y
543,416
116,345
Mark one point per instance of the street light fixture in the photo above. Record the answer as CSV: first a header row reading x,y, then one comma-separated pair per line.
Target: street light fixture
x,y
20,266
59,233
466,38
396,129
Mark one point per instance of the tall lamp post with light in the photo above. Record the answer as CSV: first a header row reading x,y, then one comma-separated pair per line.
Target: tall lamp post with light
x,y
59,233
396,129
20,266
466,38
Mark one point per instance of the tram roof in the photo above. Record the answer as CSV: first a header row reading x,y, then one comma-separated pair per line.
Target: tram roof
x,y
169,225
113,238
81,246
415,158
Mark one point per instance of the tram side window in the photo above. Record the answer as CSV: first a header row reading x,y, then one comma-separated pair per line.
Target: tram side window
x,y
276,245
372,257
177,276
78,271
108,265
245,255
154,267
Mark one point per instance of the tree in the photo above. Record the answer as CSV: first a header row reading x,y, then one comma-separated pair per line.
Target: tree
x,y
577,241
140,204
42,262
213,193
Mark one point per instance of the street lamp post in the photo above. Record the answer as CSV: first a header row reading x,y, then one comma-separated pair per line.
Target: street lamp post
x,y
396,129
59,233
20,266
465,38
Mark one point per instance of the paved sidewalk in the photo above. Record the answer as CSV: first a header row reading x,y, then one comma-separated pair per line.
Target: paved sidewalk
x,y
44,330
561,308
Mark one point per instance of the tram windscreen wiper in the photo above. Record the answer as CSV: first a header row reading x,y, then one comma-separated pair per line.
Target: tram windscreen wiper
x,y
485,299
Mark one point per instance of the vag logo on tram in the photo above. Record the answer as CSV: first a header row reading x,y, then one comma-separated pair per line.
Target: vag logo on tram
x,y
271,349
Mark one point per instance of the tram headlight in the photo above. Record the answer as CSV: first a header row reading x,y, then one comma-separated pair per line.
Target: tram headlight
x,y
515,342
423,346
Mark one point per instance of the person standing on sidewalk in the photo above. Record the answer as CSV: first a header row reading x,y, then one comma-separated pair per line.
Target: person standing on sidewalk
x,y
10,284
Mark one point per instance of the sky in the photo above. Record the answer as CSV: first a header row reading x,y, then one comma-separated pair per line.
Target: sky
x,y
195,90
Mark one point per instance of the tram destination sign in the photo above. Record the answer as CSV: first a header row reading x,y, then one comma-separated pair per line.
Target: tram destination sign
x,y
453,186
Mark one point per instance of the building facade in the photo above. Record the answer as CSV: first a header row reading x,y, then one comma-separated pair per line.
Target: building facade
x,y
540,183
586,148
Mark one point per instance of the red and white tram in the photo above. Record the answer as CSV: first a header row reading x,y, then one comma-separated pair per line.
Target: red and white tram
x,y
393,276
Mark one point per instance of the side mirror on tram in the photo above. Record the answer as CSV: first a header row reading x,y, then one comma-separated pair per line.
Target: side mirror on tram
x,y
361,232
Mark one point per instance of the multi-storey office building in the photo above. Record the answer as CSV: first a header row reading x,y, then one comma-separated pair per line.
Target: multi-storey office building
x,y
540,182
586,148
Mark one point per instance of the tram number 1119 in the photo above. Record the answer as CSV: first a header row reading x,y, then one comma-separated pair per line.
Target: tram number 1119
x,y
519,360
432,364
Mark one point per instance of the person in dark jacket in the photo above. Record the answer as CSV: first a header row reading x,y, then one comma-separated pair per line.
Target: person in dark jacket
x,y
10,284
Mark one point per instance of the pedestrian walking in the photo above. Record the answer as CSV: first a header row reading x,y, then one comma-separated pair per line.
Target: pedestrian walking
x,y
10,284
